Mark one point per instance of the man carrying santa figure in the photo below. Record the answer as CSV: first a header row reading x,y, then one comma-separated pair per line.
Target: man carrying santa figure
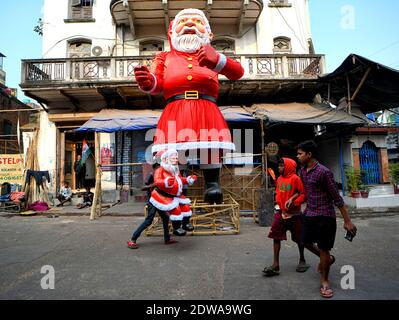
x,y
168,195
187,75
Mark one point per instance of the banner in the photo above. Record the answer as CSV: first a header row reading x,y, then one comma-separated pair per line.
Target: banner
x,y
11,168
107,154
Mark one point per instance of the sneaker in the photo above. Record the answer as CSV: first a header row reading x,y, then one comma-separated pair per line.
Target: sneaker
x,y
132,244
170,241
179,232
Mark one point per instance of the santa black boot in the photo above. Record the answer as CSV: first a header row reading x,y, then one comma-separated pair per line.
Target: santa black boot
x,y
213,192
187,225
177,229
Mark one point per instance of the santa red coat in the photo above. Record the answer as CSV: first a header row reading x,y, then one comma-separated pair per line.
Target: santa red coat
x,y
169,197
181,122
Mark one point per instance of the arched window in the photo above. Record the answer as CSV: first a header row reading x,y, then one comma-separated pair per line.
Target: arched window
x,y
79,48
282,45
224,45
150,47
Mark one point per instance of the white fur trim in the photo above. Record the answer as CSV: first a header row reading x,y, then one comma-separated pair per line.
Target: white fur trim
x,y
180,183
174,217
153,87
221,63
165,207
168,153
187,214
166,183
184,201
190,181
195,145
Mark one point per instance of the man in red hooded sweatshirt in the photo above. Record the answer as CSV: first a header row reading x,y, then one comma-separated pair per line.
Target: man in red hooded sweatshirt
x,y
187,75
290,194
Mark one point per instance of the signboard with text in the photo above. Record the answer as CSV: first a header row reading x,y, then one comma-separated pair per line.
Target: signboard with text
x,y
11,168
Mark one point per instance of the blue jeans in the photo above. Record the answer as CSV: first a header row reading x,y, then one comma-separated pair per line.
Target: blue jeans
x,y
151,211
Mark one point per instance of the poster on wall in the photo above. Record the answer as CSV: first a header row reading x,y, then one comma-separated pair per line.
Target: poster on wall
x,y
11,168
107,156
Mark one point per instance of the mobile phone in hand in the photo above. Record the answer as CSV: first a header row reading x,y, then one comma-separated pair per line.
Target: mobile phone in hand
x,y
349,236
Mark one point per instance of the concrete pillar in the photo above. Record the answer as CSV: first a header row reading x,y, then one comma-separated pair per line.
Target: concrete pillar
x,y
383,155
356,158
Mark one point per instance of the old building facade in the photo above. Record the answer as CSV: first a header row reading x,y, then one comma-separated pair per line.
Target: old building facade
x,y
90,49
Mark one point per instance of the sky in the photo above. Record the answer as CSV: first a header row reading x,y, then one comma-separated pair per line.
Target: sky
x,y
369,28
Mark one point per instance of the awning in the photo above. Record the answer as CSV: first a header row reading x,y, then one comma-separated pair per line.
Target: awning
x,y
373,86
112,120
307,113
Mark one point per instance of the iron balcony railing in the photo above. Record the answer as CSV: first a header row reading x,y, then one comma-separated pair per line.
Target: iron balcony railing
x,y
95,69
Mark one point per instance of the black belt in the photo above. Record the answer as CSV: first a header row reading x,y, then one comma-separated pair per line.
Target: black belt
x,y
165,194
191,95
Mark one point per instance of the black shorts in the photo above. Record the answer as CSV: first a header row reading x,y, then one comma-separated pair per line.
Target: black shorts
x,y
320,230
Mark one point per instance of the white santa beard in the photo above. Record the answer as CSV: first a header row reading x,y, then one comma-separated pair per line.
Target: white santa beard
x,y
189,42
172,169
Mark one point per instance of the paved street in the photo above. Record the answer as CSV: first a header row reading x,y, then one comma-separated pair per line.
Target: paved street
x,y
91,261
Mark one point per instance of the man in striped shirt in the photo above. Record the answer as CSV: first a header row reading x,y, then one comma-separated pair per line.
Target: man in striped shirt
x,y
319,224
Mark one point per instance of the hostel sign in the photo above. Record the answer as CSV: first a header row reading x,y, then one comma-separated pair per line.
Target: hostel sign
x,y
11,168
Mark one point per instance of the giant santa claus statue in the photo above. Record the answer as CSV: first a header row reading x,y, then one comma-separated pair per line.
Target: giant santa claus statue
x,y
168,192
187,75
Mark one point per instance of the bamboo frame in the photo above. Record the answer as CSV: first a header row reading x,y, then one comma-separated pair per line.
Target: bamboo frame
x,y
207,219
96,210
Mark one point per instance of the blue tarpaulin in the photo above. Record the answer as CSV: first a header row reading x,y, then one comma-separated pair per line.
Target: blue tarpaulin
x,y
112,120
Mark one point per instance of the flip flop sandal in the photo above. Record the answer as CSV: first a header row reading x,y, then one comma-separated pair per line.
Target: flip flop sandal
x,y
326,292
302,267
270,272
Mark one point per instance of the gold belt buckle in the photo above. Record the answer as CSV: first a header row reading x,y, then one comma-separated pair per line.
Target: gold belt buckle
x,y
191,95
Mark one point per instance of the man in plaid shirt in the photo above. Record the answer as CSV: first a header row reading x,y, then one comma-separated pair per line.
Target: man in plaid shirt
x,y
319,224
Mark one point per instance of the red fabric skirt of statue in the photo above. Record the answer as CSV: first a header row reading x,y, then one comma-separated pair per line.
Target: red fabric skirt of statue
x,y
177,129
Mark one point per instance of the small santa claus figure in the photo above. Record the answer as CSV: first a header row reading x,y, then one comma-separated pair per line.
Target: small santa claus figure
x,y
187,75
168,192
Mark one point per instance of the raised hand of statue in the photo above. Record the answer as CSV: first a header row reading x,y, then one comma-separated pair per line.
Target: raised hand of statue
x,y
208,57
144,78
193,177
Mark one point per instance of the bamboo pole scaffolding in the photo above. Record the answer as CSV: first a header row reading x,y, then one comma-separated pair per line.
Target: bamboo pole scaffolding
x,y
207,219
96,205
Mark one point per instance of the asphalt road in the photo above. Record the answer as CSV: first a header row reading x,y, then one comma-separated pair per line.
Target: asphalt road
x,y
91,261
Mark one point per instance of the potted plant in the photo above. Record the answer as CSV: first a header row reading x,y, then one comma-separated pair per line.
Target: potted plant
x,y
394,176
364,187
365,190
353,181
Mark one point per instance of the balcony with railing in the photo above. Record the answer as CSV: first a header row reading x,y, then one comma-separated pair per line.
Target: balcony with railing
x,y
107,79
49,72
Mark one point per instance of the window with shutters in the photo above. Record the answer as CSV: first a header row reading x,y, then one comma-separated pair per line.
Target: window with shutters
x,y
279,3
224,45
80,9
